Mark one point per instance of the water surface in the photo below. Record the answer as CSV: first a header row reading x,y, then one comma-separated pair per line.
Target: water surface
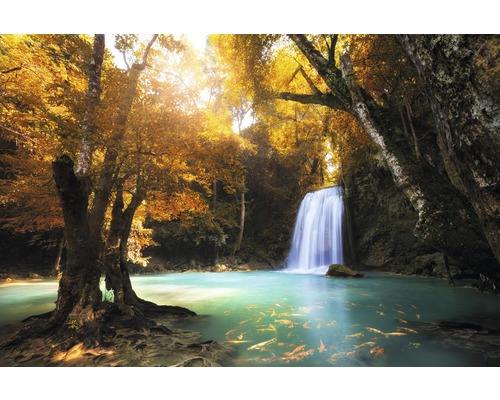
x,y
278,319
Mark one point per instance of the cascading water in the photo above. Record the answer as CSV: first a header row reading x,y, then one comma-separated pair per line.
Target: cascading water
x,y
317,237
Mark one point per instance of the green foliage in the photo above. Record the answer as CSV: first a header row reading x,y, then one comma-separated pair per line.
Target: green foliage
x,y
73,324
108,295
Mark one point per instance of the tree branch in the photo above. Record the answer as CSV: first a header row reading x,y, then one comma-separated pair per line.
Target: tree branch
x,y
331,48
326,69
8,71
309,81
143,64
323,99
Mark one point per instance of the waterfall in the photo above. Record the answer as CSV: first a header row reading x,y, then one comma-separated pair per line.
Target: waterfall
x,y
317,237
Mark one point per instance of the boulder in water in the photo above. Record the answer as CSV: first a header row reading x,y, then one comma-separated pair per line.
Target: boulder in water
x,y
341,271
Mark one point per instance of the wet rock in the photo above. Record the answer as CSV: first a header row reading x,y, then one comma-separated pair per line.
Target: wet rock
x,y
478,334
161,329
342,271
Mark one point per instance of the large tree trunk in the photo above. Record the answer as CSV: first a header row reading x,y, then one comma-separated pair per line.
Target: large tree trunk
x,y
446,220
79,295
460,76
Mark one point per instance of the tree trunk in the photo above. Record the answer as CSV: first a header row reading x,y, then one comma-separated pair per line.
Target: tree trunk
x,y
216,246
460,75
105,181
242,225
88,125
446,220
117,275
79,296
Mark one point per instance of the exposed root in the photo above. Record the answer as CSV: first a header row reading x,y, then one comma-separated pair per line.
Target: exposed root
x,y
116,339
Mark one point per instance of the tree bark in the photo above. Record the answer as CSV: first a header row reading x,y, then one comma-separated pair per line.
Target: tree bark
x,y
446,220
79,295
117,275
93,98
60,250
460,75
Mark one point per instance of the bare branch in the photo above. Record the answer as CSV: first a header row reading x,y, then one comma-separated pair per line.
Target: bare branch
x,y
124,53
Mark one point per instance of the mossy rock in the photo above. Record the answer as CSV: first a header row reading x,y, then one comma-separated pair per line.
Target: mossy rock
x,y
341,271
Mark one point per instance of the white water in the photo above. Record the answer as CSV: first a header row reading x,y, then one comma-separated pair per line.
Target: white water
x,y
317,238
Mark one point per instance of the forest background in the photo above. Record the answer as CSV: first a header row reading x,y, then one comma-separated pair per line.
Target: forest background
x,y
258,17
